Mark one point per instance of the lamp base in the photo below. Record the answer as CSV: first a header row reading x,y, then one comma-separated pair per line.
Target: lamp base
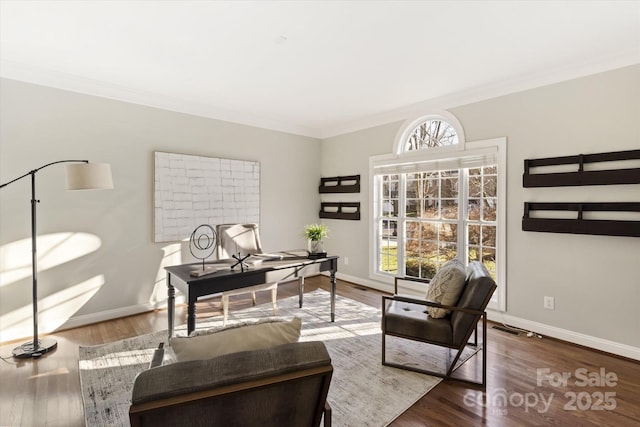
x,y
27,349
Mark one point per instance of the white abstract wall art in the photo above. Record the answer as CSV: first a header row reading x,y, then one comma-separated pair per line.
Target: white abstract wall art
x,y
193,190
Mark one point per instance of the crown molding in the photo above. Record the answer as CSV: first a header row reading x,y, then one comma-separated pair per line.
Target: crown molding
x,y
73,83
83,85
489,91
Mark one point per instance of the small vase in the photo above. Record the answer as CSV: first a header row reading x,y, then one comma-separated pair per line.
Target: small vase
x,y
315,246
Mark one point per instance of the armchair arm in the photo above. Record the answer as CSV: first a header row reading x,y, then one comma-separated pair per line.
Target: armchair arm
x,y
426,303
408,279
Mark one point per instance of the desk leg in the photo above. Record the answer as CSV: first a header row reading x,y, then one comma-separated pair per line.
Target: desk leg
x,y
191,317
300,290
171,292
333,295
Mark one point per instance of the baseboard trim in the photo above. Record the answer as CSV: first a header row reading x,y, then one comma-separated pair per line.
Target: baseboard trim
x,y
596,343
383,287
567,335
102,316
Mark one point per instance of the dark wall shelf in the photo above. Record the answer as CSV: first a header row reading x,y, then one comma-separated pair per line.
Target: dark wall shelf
x,y
340,184
582,177
579,225
340,210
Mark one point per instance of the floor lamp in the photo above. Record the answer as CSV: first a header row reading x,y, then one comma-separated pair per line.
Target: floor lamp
x,y
81,175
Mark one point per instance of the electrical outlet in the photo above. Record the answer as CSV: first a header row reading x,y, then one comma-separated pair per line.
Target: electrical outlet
x,y
548,303
346,261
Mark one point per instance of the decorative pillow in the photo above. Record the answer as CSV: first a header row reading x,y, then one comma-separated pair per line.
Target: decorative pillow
x,y
445,287
236,338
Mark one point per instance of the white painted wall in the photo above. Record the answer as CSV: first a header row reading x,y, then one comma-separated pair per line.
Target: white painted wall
x,y
594,279
118,275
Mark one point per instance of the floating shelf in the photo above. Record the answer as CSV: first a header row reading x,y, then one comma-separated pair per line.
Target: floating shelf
x,y
340,210
340,184
582,177
579,225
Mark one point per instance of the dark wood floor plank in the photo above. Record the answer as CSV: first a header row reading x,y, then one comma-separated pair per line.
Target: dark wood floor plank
x,y
46,391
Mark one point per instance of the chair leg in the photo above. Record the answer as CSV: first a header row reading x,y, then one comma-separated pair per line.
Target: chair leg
x,y
327,415
274,300
484,350
253,297
383,348
225,309
382,326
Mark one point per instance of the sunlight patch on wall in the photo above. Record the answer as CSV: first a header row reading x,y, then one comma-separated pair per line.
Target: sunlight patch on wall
x,y
53,250
54,310
172,255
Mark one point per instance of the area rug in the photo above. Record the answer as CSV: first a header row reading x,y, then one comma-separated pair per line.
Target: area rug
x,y
362,391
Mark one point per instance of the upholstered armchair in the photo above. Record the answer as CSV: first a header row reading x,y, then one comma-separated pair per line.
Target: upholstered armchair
x,y
285,385
409,318
243,239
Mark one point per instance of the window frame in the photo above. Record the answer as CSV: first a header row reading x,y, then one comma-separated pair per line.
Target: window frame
x,y
435,156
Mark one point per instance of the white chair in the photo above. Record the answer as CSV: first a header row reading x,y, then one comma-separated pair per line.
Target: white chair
x,y
243,239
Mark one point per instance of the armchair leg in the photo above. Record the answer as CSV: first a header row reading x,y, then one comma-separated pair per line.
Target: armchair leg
x,y
225,309
327,415
484,350
475,336
274,300
383,348
384,329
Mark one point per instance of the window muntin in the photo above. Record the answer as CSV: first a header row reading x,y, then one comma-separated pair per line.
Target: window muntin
x,y
431,133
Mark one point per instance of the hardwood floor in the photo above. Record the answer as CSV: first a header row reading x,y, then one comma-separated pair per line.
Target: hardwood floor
x,y
46,391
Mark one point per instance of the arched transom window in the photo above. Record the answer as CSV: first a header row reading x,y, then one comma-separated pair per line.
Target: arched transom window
x,y
431,133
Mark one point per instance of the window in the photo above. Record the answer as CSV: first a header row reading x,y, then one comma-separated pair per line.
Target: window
x,y
431,133
436,198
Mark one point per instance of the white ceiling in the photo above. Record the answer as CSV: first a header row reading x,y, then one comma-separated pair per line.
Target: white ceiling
x,y
316,68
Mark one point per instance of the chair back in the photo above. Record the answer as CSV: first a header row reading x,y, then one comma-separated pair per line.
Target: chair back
x,y
234,238
475,296
286,385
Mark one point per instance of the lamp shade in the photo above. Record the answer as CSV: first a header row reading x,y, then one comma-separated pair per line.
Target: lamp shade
x,y
89,176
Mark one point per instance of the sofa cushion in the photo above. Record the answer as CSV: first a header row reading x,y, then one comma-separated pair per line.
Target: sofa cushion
x,y
234,339
445,287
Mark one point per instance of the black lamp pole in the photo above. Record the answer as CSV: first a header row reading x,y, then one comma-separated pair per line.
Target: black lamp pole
x,y
37,347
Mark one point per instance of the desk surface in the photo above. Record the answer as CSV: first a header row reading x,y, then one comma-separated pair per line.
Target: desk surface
x,y
289,259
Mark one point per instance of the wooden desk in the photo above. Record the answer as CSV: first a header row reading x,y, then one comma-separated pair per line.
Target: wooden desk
x,y
288,268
